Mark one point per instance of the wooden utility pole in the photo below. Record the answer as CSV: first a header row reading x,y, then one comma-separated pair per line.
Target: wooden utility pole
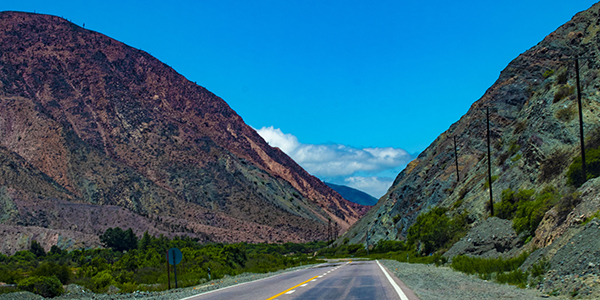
x,y
367,242
581,136
456,160
487,109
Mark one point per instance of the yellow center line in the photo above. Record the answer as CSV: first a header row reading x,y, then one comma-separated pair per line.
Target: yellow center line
x,y
271,298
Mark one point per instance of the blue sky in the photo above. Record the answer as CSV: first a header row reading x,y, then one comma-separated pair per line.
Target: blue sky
x,y
352,89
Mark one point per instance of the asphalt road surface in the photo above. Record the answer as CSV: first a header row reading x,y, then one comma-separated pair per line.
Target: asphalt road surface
x,y
343,280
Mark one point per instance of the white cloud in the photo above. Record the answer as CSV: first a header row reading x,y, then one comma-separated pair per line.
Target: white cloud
x,y
329,161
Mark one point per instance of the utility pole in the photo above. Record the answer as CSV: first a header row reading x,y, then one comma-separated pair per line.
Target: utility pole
x,y
581,136
456,159
329,232
367,242
487,109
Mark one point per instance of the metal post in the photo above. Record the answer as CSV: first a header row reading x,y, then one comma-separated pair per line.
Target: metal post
x,y
175,268
168,270
456,159
489,162
581,139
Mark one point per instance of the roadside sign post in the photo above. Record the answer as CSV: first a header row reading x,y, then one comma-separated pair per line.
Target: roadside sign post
x,y
174,257
168,271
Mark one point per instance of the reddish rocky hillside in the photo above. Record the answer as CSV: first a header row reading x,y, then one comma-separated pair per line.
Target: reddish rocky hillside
x,y
94,133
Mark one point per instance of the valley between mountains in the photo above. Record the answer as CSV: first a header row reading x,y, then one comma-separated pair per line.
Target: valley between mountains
x,y
95,134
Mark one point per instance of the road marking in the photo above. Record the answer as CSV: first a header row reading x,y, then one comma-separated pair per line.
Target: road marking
x,y
396,287
306,283
285,292
290,292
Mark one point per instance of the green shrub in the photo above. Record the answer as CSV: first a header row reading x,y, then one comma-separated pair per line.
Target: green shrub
x,y
548,73
476,265
434,230
48,269
507,207
41,285
516,277
102,280
530,213
524,209
383,246
574,174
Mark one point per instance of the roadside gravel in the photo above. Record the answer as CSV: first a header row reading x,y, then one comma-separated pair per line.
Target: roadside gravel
x,y
431,282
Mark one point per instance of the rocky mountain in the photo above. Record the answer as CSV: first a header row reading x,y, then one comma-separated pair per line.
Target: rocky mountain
x,y
353,195
534,130
97,134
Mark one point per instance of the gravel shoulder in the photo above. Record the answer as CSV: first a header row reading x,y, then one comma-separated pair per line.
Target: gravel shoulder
x,y
431,282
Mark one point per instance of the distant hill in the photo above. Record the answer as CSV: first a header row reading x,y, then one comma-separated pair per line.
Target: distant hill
x,y
353,195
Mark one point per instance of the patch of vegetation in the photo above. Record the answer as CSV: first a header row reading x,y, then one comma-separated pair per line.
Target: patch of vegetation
x,y
548,73
562,92
524,209
434,230
567,204
501,270
554,165
41,285
588,219
574,174
143,267
561,76
566,114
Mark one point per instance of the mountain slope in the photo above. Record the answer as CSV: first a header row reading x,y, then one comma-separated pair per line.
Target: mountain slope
x,y
534,138
353,195
96,122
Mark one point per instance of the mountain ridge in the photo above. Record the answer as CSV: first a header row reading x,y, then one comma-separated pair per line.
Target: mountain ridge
x,y
353,195
102,123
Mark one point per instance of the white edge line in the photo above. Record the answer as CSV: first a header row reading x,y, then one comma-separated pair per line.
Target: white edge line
x,y
396,287
224,288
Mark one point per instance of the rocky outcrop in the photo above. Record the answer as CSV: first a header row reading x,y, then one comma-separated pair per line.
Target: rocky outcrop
x,y
87,120
490,238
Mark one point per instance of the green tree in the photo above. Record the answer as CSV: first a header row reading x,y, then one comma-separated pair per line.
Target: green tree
x,y
41,285
145,242
119,240
37,249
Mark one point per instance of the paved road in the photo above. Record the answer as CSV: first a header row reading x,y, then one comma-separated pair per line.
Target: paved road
x,y
345,280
